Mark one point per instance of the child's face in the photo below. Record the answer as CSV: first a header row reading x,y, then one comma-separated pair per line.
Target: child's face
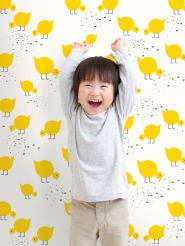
x,y
95,90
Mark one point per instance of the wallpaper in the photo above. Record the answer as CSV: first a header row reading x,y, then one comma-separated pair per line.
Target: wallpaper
x,y
35,180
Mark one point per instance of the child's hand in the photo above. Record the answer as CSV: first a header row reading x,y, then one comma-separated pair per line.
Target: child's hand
x,y
82,47
118,43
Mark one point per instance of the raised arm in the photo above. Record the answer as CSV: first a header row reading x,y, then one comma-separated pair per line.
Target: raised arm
x,y
68,101
125,99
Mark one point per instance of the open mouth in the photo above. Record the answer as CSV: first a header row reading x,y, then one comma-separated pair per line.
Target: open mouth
x,y
94,104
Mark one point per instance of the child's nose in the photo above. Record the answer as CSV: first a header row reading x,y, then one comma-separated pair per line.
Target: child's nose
x,y
95,91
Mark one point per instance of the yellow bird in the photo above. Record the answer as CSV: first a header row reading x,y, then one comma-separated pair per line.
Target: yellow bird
x,y
176,209
129,122
176,5
6,4
155,232
7,106
130,179
109,5
74,5
21,226
171,117
27,190
174,155
51,127
21,19
67,206
27,86
174,52
148,65
111,58
44,234
126,24
5,210
44,65
6,164
148,169
21,122
155,26
45,169
65,155
151,132
131,232
44,27
91,39
6,61
66,49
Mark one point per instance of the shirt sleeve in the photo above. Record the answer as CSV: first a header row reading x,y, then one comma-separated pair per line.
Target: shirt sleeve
x,y
125,99
68,101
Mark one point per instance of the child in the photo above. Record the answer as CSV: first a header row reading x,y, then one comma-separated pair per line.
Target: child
x,y
96,142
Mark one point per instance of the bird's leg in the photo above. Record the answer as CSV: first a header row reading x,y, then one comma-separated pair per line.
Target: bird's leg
x,y
8,115
158,242
24,28
126,132
124,34
47,242
145,180
174,12
68,164
145,77
3,172
43,243
54,136
149,180
4,115
23,234
5,12
25,197
154,141
5,218
29,197
74,12
23,132
46,180
70,12
6,70
168,126
25,94
43,37
172,127
19,29
149,76
158,35
128,33
108,12
41,180
150,141
171,164
178,12
176,61
49,137
171,60
19,132
178,218
19,235
112,12
0,217
46,36
7,172
153,36
175,164
91,45
41,76
153,242
28,94
46,77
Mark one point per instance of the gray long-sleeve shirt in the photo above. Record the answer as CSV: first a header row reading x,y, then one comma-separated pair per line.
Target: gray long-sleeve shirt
x,y
96,142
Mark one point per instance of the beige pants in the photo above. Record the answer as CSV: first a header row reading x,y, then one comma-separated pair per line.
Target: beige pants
x,y
107,220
